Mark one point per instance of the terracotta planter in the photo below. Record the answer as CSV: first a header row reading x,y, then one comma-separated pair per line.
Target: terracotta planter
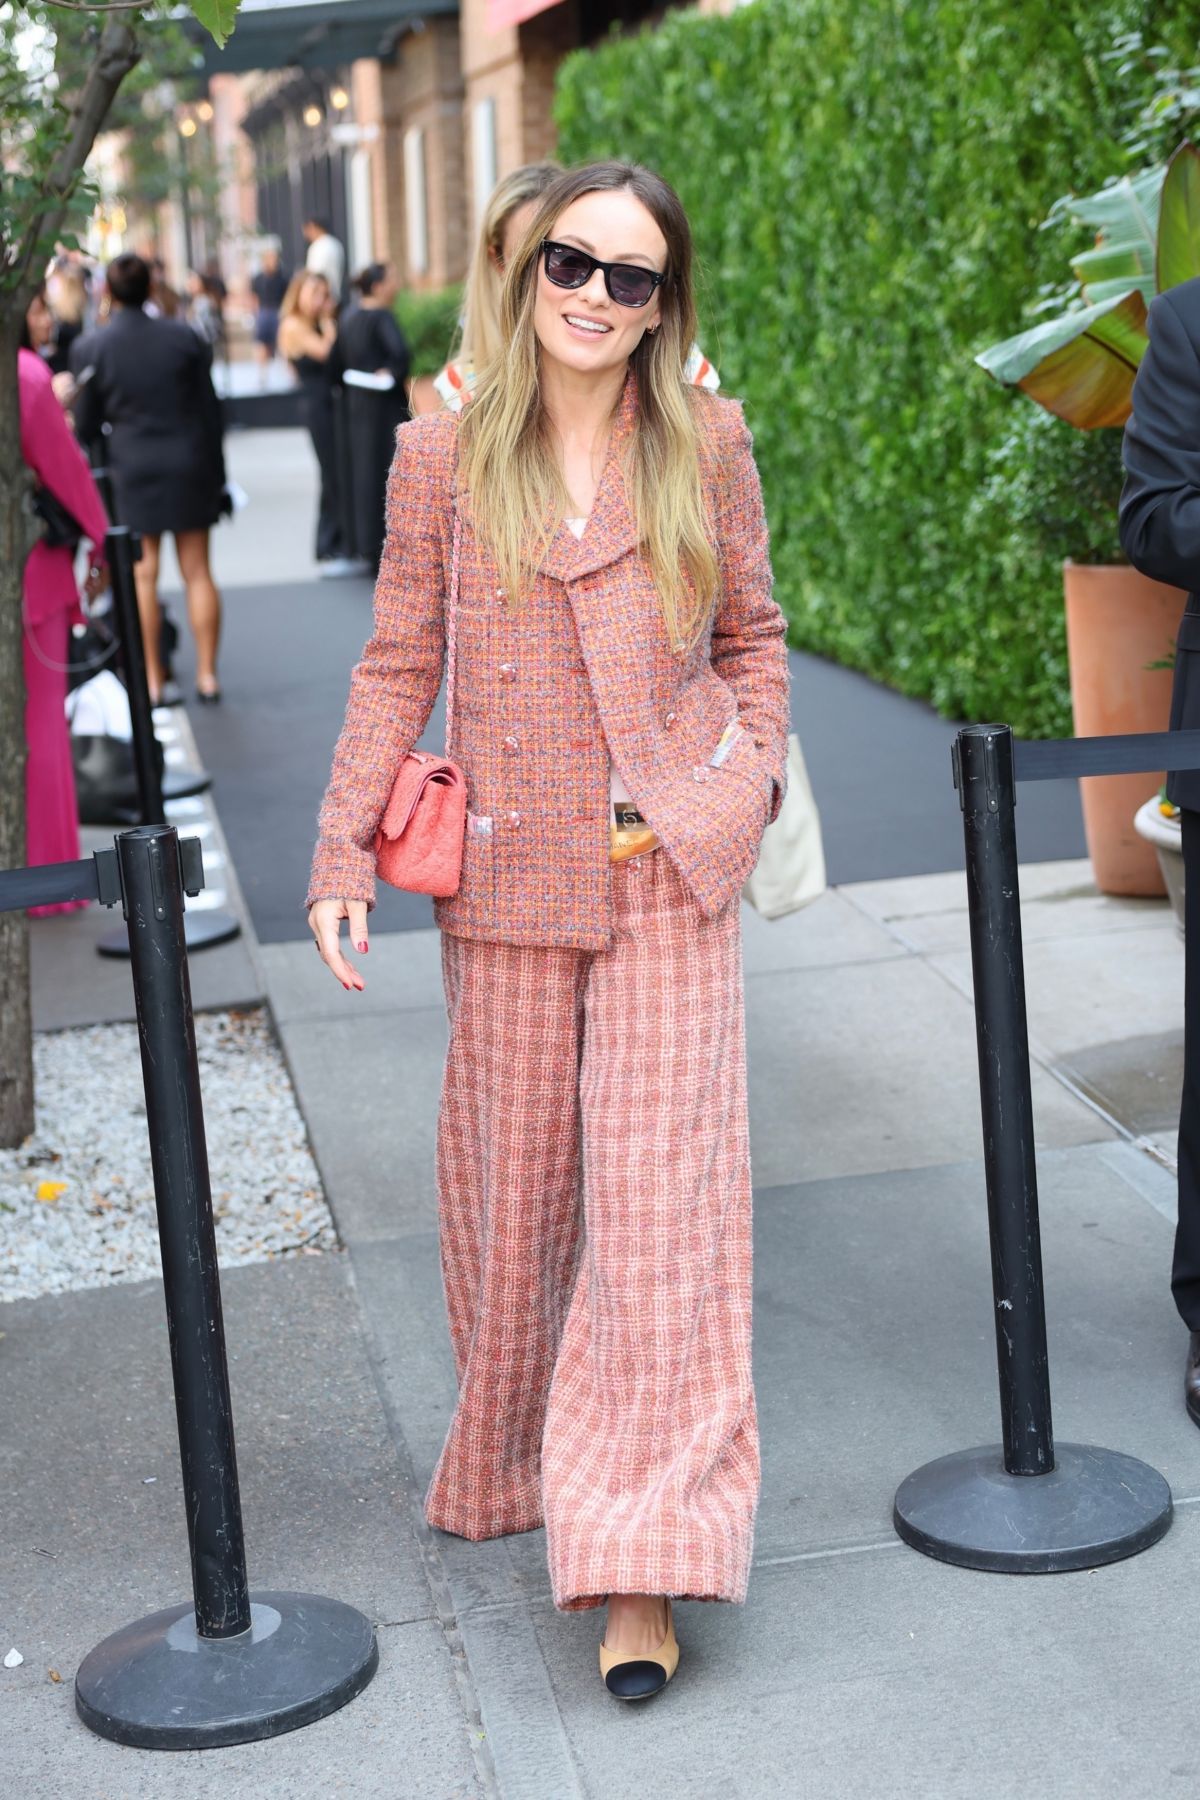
x,y
1117,623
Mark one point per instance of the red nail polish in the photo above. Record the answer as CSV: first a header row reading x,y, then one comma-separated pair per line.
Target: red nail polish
x,y
362,948
346,985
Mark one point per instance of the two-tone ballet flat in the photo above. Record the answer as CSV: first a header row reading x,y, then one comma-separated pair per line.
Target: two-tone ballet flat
x,y
637,1677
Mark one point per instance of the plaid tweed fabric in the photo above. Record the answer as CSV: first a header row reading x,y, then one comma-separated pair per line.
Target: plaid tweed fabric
x,y
548,689
594,1182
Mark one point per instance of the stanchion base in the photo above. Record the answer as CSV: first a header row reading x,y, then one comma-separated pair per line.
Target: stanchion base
x,y
202,930
161,1686
181,784
1096,1506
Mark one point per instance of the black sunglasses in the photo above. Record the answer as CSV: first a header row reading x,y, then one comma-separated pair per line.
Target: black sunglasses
x,y
627,283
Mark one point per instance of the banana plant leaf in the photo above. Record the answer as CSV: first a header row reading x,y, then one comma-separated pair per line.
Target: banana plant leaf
x,y
1112,269
1081,366
1179,219
1124,211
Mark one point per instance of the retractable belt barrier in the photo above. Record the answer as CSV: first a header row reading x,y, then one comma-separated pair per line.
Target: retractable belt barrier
x,y
1026,1506
123,548
230,1665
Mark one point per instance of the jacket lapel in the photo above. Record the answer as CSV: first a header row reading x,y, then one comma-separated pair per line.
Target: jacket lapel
x,y
611,531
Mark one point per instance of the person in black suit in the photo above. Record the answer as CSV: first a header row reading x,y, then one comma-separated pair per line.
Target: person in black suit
x,y
150,381
1160,534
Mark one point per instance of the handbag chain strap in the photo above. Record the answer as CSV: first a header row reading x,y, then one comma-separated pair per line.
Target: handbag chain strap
x,y
452,626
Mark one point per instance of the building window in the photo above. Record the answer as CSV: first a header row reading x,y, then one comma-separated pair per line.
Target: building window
x,y
415,211
362,233
483,147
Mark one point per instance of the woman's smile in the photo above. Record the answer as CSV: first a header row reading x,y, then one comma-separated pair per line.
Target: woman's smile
x,y
582,326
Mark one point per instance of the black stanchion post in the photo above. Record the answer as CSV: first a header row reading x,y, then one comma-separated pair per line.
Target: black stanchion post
x,y
104,487
121,559
987,791
1023,1506
229,1666
150,881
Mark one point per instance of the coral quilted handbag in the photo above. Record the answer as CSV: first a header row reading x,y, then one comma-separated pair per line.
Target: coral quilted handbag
x,y
419,841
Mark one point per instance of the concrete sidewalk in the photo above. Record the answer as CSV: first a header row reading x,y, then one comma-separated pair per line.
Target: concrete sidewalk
x,y
858,1668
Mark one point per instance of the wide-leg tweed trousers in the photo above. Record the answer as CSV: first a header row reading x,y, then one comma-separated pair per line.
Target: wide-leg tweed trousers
x,y
594,1193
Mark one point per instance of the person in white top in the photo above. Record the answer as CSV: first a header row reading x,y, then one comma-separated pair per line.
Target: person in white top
x,y
326,257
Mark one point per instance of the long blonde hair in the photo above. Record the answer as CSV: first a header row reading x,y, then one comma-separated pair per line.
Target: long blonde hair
x,y
508,462
290,303
479,335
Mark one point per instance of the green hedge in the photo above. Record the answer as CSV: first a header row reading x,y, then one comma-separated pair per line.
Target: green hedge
x,y
865,182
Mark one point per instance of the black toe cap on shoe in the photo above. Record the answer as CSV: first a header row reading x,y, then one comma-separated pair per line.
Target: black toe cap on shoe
x,y
636,1680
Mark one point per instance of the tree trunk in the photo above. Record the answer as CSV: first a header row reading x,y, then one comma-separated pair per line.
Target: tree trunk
x,y
16,1024
115,55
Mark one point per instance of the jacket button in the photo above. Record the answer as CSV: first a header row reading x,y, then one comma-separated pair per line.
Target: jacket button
x,y
501,593
701,774
510,743
513,820
669,720
508,671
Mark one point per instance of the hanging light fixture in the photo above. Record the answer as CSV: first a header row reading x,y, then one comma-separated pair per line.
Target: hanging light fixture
x,y
339,99
205,110
312,115
187,127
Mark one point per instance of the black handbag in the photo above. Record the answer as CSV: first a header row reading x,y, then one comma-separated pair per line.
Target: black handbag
x,y
106,789
63,530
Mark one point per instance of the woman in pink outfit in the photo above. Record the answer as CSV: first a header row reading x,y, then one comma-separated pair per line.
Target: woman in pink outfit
x,y
51,606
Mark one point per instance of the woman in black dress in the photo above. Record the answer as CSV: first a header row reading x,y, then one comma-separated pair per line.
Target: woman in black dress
x,y
149,380
373,361
308,336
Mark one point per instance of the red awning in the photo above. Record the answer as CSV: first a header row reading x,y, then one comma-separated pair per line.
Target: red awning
x,y
511,12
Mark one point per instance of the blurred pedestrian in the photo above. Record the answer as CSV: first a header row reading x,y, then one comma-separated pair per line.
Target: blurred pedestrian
x,y
590,533
203,313
215,282
325,257
163,302
372,360
70,510
308,334
151,384
511,206
66,292
37,333
268,287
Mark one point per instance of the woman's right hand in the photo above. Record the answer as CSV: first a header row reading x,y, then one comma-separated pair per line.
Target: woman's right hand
x,y
324,921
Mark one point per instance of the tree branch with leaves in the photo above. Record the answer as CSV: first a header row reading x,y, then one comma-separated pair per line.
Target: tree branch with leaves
x,y
59,77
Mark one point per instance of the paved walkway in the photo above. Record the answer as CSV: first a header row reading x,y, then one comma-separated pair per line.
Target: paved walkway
x,y
859,1670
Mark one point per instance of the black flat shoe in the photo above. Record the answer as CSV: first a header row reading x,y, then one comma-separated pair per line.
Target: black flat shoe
x,y
637,1677
213,699
1191,1379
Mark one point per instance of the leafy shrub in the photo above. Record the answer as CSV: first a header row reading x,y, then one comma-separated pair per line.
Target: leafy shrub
x,y
429,321
866,184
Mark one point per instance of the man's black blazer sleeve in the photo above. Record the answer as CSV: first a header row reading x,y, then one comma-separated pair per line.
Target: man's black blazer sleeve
x,y
1160,502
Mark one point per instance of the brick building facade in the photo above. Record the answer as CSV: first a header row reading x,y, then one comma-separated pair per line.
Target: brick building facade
x,y
457,99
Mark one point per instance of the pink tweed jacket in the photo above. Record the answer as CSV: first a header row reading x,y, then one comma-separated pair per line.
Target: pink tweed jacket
x,y
548,689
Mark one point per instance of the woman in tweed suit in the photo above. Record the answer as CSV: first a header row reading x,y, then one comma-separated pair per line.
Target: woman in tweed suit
x,y
620,662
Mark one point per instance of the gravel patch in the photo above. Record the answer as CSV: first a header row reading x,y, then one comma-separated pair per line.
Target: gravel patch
x,y
77,1199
